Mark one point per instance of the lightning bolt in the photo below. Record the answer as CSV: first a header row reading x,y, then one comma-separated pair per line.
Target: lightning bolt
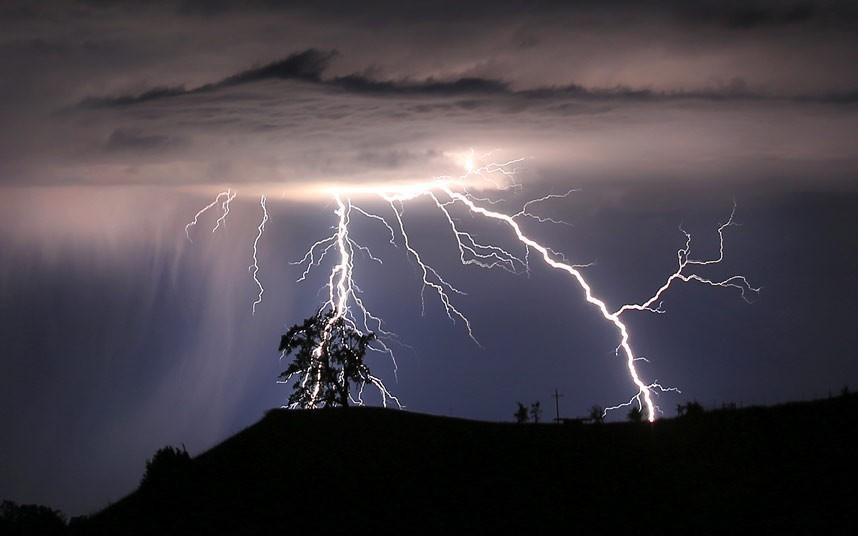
x,y
202,211
225,206
684,260
644,389
345,302
525,211
254,268
342,291
431,278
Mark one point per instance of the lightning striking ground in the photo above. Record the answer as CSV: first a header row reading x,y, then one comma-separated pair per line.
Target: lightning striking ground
x,y
644,389
345,301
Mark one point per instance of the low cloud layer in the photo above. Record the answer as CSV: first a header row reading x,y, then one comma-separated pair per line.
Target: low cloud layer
x,y
190,93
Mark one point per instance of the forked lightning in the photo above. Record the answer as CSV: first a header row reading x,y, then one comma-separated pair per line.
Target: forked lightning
x,y
447,194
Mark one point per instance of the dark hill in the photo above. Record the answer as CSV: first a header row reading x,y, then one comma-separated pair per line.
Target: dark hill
x,y
789,468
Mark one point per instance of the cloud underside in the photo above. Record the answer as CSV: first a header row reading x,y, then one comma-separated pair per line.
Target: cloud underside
x,y
283,131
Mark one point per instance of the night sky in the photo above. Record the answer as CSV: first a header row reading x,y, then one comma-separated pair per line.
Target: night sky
x,y
119,121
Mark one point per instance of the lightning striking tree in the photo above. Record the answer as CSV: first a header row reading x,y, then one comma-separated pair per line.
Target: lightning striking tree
x,y
328,355
330,346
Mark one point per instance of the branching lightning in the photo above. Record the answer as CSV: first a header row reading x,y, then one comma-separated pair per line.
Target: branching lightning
x,y
225,206
342,291
447,193
196,219
431,278
525,210
684,260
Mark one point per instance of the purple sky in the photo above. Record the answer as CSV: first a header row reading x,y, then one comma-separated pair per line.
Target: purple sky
x,y
119,121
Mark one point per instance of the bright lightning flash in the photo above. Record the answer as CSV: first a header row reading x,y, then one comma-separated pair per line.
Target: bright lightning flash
x,y
345,298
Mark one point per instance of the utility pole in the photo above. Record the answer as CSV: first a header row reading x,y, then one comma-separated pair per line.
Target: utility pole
x,y
557,406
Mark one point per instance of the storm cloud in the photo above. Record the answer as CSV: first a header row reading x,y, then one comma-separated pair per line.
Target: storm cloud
x,y
120,120
602,83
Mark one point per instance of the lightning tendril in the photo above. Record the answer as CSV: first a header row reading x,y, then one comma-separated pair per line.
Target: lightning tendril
x,y
254,268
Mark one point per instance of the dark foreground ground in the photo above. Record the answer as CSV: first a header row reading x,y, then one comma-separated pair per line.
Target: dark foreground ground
x,y
790,468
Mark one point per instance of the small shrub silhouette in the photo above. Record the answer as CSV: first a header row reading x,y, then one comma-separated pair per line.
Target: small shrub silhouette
x,y
690,409
24,519
536,411
521,414
169,467
597,415
635,415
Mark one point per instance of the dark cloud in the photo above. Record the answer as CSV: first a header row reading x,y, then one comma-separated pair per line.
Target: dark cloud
x,y
310,65
462,86
754,17
754,14
148,95
307,65
738,14
394,159
136,141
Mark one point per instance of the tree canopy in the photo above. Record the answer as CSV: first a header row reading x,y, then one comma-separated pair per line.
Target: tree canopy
x,y
328,356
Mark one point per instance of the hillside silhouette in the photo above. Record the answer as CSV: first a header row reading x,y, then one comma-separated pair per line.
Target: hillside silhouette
x,y
786,468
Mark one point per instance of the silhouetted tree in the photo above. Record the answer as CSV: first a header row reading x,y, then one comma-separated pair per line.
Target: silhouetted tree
x,y
169,466
635,414
328,353
597,415
689,409
535,411
25,519
521,414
